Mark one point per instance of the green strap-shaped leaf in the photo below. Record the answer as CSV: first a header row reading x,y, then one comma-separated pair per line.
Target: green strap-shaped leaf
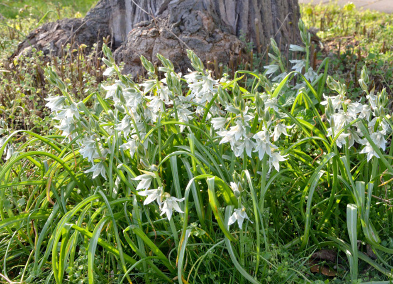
x,y
92,248
312,183
183,245
215,208
352,214
232,254
153,247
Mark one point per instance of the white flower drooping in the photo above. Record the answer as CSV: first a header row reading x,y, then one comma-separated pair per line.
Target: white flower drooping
x,y
169,204
263,145
145,180
55,103
239,215
96,170
280,129
274,160
152,195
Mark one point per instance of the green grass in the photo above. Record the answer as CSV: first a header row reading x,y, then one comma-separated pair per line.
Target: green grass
x,y
353,38
38,8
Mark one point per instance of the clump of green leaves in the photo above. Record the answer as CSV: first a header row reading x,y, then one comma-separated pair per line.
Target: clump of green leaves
x,y
185,178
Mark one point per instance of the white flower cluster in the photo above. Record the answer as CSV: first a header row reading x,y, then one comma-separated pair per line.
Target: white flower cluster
x,y
66,114
138,107
341,112
165,201
237,132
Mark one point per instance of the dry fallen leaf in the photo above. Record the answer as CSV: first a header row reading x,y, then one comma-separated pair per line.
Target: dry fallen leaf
x,y
324,270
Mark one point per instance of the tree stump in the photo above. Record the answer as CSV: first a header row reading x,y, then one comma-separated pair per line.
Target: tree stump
x,y
211,28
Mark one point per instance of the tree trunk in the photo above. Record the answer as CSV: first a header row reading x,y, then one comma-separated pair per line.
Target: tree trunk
x,y
257,20
211,28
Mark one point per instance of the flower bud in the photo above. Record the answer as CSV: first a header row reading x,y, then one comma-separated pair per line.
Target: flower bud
x,y
154,168
363,85
274,46
364,75
242,105
145,163
141,150
383,98
332,84
329,108
267,116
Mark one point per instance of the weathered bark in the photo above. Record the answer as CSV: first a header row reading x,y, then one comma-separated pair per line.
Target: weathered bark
x,y
257,20
147,27
182,25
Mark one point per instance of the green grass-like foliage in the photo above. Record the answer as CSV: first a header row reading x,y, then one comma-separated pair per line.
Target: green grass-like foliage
x,y
40,8
183,178
353,37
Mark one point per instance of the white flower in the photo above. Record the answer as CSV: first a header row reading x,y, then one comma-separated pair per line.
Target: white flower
x,y
169,204
239,215
245,144
354,136
145,181
2,141
202,87
89,149
234,134
55,103
385,127
109,71
237,131
165,94
271,69
336,101
218,122
294,47
152,195
148,85
67,126
271,104
111,91
299,65
280,129
274,160
246,116
280,77
310,75
355,108
341,139
133,98
156,106
193,77
10,151
372,100
96,170
379,140
130,145
235,188
368,149
125,126
184,115
365,112
68,112
263,145
339,120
